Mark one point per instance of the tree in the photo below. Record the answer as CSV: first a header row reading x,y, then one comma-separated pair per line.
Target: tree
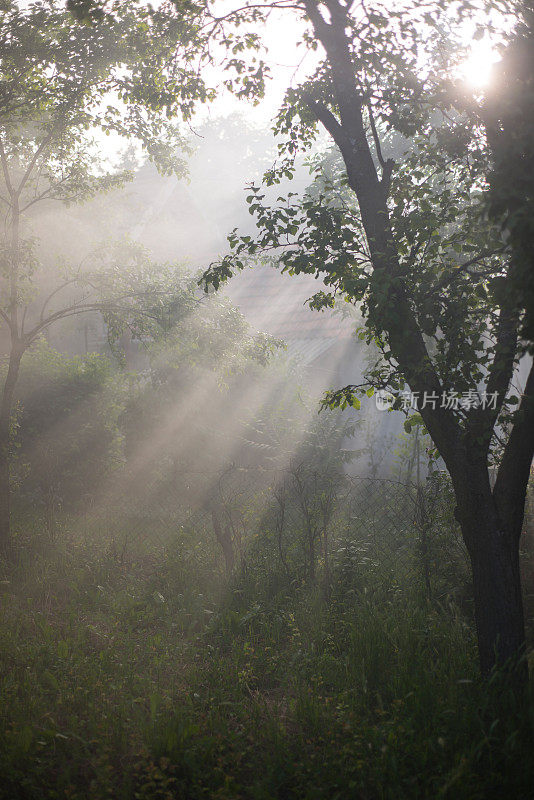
x,y
410,241
61,81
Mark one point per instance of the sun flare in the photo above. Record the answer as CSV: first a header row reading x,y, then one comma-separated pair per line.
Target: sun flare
x,y
477,69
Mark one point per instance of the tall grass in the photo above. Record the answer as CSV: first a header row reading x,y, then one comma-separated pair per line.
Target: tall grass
x,y
143,674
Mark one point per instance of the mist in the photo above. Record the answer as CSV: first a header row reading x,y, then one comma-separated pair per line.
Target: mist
x,y
266,418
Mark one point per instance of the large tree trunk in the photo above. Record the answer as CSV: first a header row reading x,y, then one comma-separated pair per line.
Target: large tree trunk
x,y
498,600
6,407
493,546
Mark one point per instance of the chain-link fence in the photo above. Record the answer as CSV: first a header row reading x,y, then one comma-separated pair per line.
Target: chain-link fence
x,y
305,523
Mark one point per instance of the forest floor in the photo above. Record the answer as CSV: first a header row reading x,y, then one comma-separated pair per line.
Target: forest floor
x,y
143,677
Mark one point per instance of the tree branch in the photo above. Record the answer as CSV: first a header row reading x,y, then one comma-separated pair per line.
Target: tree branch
x,y
501,370
46,141
5,318
326,118
5,170
386,164
449,278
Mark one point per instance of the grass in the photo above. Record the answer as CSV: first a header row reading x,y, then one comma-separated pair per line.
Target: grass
x,y
145,676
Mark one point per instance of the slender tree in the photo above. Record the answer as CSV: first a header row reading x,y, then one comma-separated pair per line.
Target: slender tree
x,y
61,82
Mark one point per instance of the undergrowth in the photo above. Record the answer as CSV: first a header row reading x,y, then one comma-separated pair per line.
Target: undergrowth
x,y
145,675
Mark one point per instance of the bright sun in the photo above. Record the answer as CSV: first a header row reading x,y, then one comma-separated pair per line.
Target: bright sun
x,y
477,68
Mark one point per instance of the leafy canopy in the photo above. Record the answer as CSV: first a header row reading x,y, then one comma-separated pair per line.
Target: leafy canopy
x,y
433,157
